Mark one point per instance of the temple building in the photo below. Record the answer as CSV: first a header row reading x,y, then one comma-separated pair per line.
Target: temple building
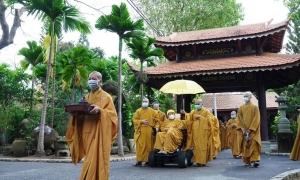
x,y
231,59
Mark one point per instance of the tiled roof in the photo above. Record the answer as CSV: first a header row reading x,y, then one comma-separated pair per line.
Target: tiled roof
x,y
221,34
268,61
232,101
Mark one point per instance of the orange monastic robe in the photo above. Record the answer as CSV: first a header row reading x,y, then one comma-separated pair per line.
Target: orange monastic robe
x,y
249,119
143,138
215,131
295,155
170,140
92,136
201,138
234,137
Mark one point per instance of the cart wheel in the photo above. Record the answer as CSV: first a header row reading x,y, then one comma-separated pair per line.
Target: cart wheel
x,y
152,159
189,154
182,159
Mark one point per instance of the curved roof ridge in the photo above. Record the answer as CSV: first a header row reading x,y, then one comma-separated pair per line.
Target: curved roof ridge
x,y
220,33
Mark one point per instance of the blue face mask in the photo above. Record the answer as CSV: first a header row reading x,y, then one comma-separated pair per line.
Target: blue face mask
x,y
144,104
197,106
246,99
232,116
93,84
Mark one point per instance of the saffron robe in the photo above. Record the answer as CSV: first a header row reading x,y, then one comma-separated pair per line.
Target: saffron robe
x,y
161,118
169,140
249,119
234,137
201,138
295,154
143,138
92,136
215,131
223,136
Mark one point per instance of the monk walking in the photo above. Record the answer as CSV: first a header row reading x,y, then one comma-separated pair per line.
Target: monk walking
x,y
144,120
92,135
249,124
234,136
199,122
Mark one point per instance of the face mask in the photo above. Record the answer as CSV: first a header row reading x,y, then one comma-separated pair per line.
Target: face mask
x,y
232,116
172,116
197,106
93,84
144,104
246,99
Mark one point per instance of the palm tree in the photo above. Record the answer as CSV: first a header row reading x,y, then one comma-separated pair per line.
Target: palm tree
x,y
143,50
32,57
107,67
60,16
119,22
75,65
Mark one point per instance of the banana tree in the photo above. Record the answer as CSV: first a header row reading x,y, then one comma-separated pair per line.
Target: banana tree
x,y
61,17
119,22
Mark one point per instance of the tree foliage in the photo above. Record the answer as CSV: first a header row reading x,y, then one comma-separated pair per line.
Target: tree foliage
x,y
181,15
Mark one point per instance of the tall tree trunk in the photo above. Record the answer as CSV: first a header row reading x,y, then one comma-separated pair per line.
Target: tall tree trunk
x,y
53,94
40,146
32,95
73,91
53,86
120,137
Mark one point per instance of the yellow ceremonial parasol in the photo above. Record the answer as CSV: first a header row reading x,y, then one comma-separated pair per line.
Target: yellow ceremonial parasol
x,y
182,87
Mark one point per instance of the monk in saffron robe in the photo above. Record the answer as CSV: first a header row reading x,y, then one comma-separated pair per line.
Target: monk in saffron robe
x,y
199,121
161,115
144,120
92,136
234,136
215,131
249,124
223,135
295,154
171,136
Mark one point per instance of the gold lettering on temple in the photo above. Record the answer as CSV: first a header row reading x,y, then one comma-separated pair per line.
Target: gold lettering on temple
x,y
219,78
217,51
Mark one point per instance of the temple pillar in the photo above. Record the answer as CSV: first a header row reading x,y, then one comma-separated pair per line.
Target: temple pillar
x,y
187,102
261,91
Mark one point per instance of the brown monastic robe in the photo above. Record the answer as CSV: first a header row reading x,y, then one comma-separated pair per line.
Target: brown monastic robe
x,y
249,119
295,154
92,136
143,138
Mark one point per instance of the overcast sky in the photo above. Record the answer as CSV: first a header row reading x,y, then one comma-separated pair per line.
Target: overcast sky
x,y
256,11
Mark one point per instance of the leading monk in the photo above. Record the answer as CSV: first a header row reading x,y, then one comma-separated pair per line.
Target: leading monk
x,y
91,136
249,124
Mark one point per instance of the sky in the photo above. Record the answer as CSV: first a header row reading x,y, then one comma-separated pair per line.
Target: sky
x,y
256,11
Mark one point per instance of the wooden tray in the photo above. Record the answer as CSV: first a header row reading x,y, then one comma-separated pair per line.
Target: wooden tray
x,y
80,109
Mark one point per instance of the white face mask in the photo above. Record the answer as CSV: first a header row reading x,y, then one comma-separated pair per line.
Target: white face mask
x,y
171,116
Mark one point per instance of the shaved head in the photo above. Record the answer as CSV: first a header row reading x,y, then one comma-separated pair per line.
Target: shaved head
x,y
198,101
96,74
233,113
146,100
156,106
